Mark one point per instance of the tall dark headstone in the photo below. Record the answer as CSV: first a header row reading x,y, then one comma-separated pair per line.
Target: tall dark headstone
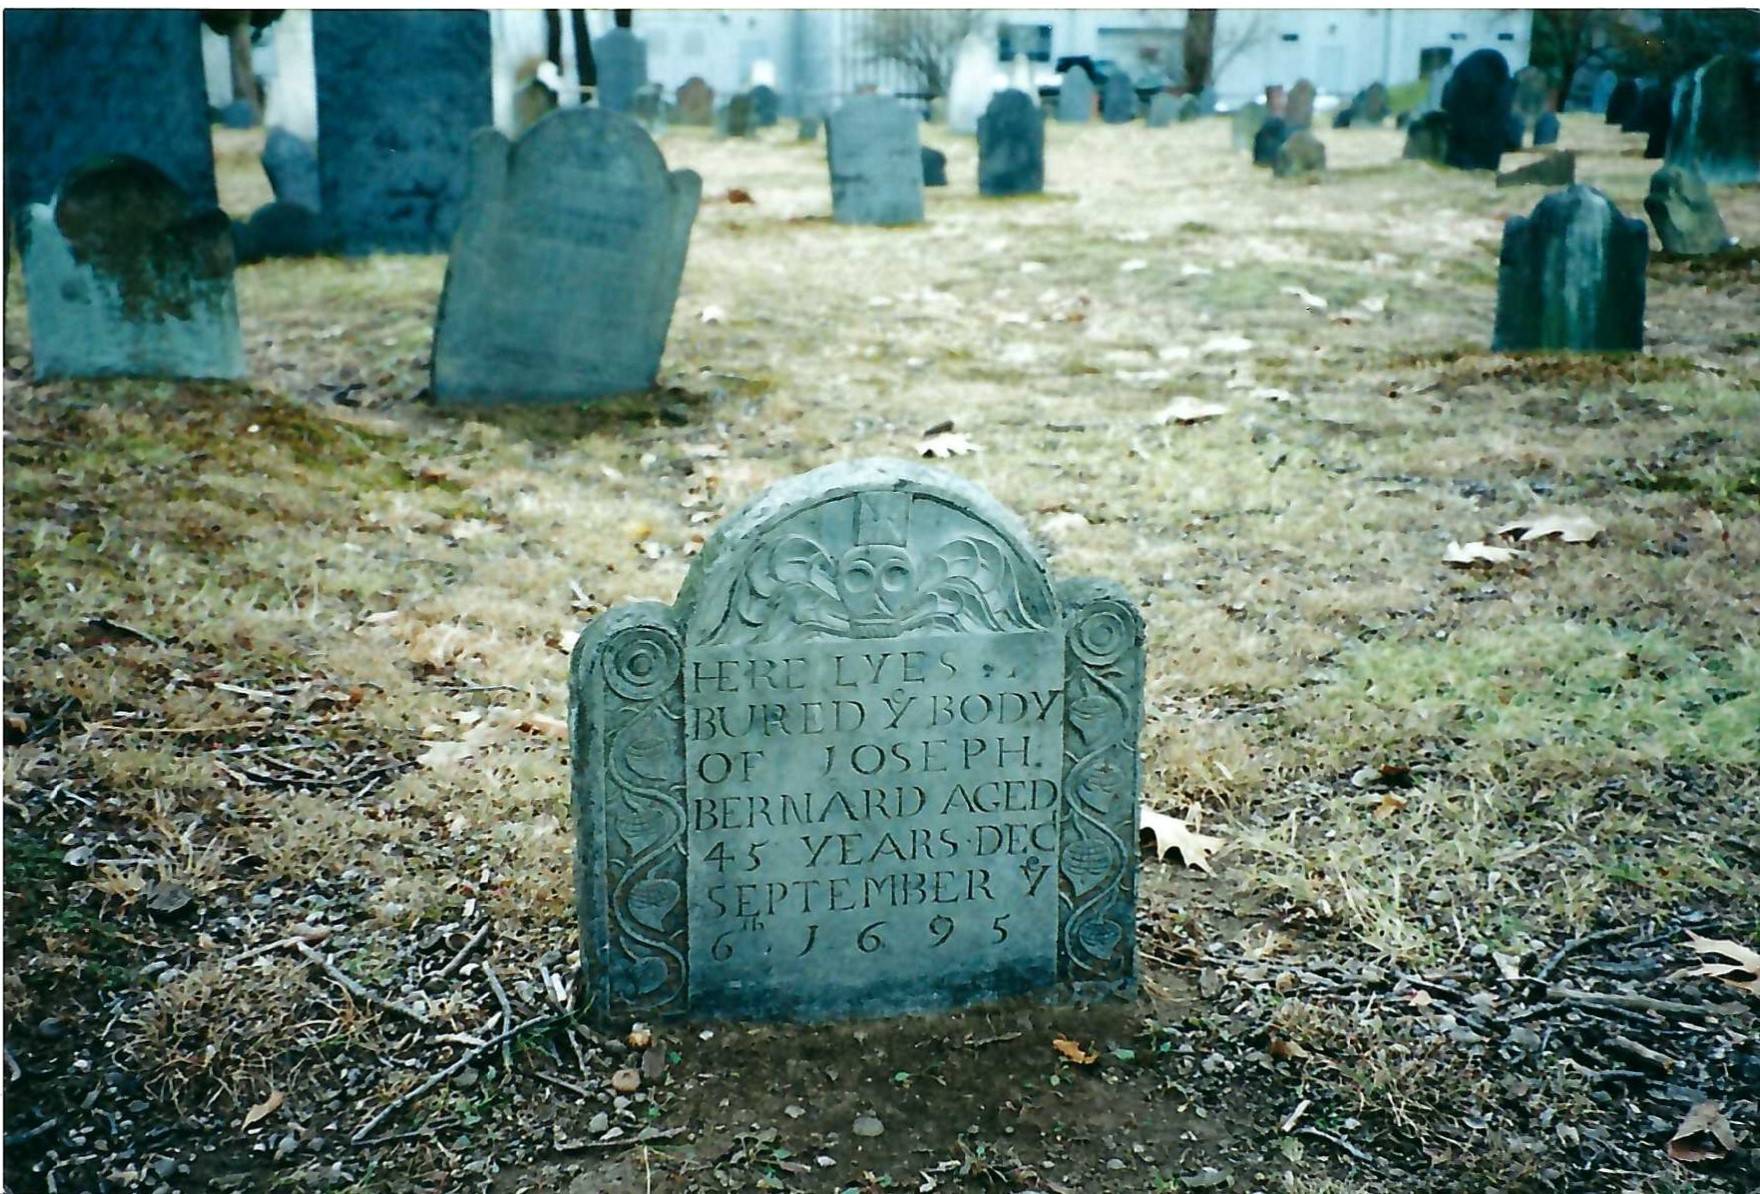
x,y
292,167
1370,105
876,162
934,167
1118,98
565,270
766,106
734,118
399,94
1075,97
83,84
1427,139
1571,277
124,276
1298,111
1477,102
1655,106
1434,58
1011,145
620,59
1529,93
1621,99
1716,121
873,761
695,102
1605,82
1268,140
1683,212
1632,119
281,229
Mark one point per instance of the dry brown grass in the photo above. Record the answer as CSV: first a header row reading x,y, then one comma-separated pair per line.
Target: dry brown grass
x,y
1583,732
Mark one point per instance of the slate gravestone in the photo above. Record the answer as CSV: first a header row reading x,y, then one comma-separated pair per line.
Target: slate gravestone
x,y
1190,107
281,229
1571,277
124,277
1370,105
238,115
1075,97
1579,93
1011,146
1275,99
1513,132
1655,104
1118,98
1301,156
565,269
1605,82
1631,117
1268,140
1477,102
695,102
808,130
1620,101
1546,130
620,59
934,167
1163,110
399,94
1716,121
1553,170
766,106
1528,92
1427,138
83,84
734,118
1298,111
292,167
1244,125
1683,213
873,761
648,108
876,162
1432,59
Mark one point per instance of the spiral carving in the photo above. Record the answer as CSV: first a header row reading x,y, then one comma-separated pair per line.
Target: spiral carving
x,y
644,661
1107,630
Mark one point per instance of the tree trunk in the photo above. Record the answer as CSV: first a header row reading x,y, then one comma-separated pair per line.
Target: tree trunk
x,y
553,37
1198,47
622,17
244,79
583,51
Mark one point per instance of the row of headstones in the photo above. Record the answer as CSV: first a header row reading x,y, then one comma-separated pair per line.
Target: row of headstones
x,y
1115,101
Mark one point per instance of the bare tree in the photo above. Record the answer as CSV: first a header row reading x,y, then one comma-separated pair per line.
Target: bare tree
x,y
1206,54
924,42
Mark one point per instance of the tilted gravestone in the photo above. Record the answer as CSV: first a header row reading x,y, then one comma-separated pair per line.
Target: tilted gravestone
x,y
1579,92
1605,82
1571,277
873,761
1683,213
1118,98
766,106
399,94
292,167
124,277
1301,156
1553,170
620,59
1275,99
1190,108
1268,140
1716,121
934,167
86,84
1075,97
876,162
695,102
1370,107
1163,110
1477,102
1427,138
1245,123
565,269
1546,130
1298,111
1011,146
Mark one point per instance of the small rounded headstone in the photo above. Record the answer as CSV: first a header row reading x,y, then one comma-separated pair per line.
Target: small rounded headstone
x,y
1546,129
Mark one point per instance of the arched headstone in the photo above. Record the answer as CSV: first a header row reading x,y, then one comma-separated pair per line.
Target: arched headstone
x,y
1477,101
873,761
620,60
1118,98
1075,97
876,162
1571,277
1268,140
1716,121
1011,146
695,102
1298,111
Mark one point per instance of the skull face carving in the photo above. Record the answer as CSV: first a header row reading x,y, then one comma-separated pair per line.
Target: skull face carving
x,y
876,582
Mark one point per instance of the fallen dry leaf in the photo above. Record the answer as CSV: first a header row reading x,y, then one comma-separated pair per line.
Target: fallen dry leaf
x,y
264,1109
1508,965
1572,528
1073,1051
1739,969
1172,833
1704,1135
714,314
1288,1050
1390,804
543,723
1068,520
948,443
1465,555
1187,409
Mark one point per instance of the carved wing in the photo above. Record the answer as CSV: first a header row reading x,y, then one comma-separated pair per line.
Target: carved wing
x,y
974,581
790,586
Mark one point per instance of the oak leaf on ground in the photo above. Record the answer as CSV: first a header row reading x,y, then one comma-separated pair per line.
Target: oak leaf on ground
x,y
1173,833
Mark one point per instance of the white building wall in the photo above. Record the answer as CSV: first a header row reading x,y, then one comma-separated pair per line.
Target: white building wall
x,y
285,62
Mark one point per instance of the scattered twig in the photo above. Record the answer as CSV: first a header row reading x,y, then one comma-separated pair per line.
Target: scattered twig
x,y
506,1018
318,933
353,987
403,1100
575,1146
1339,1142
469,948
1640,1003
115,627
571,1087
32,1133
1575,943
993,1040
1289,1125
1642,1052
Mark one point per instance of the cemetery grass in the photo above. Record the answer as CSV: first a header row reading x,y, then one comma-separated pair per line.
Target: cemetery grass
x,y
285,669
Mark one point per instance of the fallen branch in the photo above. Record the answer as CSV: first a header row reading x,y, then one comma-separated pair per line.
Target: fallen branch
x,y
403,1100
1340,1142
1639,1003
115,627
1575,943
506,1018
650,1136
1642,1052
469,948
353,987
1289,1125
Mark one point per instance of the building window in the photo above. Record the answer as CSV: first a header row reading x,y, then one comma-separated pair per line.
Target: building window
x,y
1457,37
1506,37
1292,37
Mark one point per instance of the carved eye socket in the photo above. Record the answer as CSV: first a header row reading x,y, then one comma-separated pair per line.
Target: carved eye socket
x,y
859,577
896,577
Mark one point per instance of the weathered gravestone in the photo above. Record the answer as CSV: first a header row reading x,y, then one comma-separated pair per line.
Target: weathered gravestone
x,y
1011,146
766,106
1477,102
1716,121
808,130
1571,277
1654,109
1370,106
292,167
1163,110
1245,123
1118,98
1546,129
1528,95
695,102
620,59
873,761
1268,140
399,94
281,229
125,277
1579,92
566,266
1190,108
1620,101
1438,88
649,109
1301,156
85,84
1632,116
734,118
1553,170
1427,138
1275,98
876,162
1605,82
1683,213
1298,111
934,167
1075,97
